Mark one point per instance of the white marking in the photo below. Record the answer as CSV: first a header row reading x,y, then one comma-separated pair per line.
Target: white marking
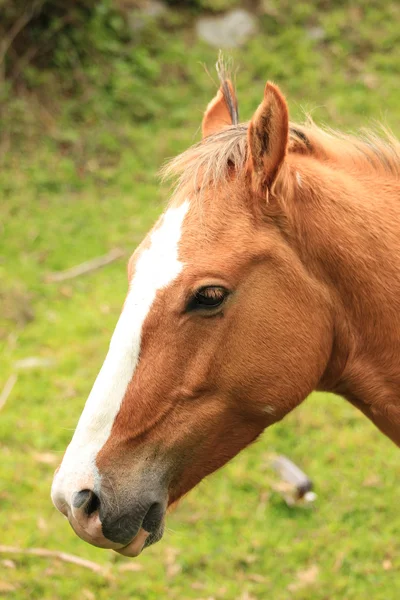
x,y
298,178
269,409
157,266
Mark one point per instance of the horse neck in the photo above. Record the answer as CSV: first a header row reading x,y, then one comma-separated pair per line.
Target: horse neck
x,y
346,229
347,225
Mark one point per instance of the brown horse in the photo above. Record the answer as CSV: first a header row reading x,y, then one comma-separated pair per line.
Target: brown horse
x,y
275,271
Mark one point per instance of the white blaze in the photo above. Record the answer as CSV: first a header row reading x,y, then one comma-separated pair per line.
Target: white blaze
x,y
156,267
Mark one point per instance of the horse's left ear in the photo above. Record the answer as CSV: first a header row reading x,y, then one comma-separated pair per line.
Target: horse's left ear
x,y
268,138
218,113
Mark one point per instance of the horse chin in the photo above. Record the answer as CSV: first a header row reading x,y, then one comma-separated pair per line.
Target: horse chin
x,y
142,540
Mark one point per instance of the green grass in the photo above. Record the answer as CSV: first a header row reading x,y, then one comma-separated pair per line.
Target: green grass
x,y
83,180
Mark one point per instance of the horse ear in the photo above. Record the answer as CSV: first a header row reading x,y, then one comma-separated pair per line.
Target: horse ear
x,y
218,113
268,138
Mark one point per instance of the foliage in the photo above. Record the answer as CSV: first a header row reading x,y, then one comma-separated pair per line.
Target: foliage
x,y
81,141
82,62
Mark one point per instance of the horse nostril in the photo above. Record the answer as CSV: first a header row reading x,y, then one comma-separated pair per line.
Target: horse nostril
x,y
87,501
153,517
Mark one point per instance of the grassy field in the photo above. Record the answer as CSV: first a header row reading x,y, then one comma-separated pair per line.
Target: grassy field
x,y
74,187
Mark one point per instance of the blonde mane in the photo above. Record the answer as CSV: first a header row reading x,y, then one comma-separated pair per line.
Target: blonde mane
x,y
210,161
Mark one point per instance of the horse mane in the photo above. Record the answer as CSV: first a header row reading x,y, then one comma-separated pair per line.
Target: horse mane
x,y
210,161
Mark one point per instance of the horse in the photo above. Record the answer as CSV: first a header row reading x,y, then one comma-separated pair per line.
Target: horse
x,y
273,272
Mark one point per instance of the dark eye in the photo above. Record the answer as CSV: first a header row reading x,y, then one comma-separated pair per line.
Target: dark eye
x,y
208,297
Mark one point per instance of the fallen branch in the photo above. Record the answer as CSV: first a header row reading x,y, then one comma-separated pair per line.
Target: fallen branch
x,y
17,27
7,389
86,267
69,558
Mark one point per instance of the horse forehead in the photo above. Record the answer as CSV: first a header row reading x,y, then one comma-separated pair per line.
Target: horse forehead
x,y
188,235
213,234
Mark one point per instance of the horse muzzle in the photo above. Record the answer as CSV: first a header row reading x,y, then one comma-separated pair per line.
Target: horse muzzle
x,y
121,524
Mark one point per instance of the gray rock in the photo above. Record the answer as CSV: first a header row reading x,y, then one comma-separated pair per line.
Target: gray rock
x,y
227,31
150,11
153,8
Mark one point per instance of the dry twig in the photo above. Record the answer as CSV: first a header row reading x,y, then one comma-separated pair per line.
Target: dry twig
x,y
86,267
7,389
69,558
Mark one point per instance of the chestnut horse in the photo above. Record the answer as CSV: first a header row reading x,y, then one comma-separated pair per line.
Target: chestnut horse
x,y
275,271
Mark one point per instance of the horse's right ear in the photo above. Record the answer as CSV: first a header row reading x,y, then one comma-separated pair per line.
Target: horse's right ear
x,y
268,138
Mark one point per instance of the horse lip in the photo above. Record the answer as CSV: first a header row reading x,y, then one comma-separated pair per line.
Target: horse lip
x,y
136,545
95,540
142,540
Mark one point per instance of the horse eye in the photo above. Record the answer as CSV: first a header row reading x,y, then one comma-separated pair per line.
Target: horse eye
x,y
207,298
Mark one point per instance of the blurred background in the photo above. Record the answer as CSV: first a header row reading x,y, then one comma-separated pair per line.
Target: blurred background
x,y
94,97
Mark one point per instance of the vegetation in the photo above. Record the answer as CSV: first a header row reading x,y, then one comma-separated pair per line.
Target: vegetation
x,y
84,127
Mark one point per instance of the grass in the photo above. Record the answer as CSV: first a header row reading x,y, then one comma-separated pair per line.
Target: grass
x,y
81,180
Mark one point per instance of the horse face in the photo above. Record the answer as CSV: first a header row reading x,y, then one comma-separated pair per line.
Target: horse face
x,y
215,342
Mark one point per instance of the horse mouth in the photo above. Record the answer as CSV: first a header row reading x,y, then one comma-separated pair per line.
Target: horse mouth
x,y
142,540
